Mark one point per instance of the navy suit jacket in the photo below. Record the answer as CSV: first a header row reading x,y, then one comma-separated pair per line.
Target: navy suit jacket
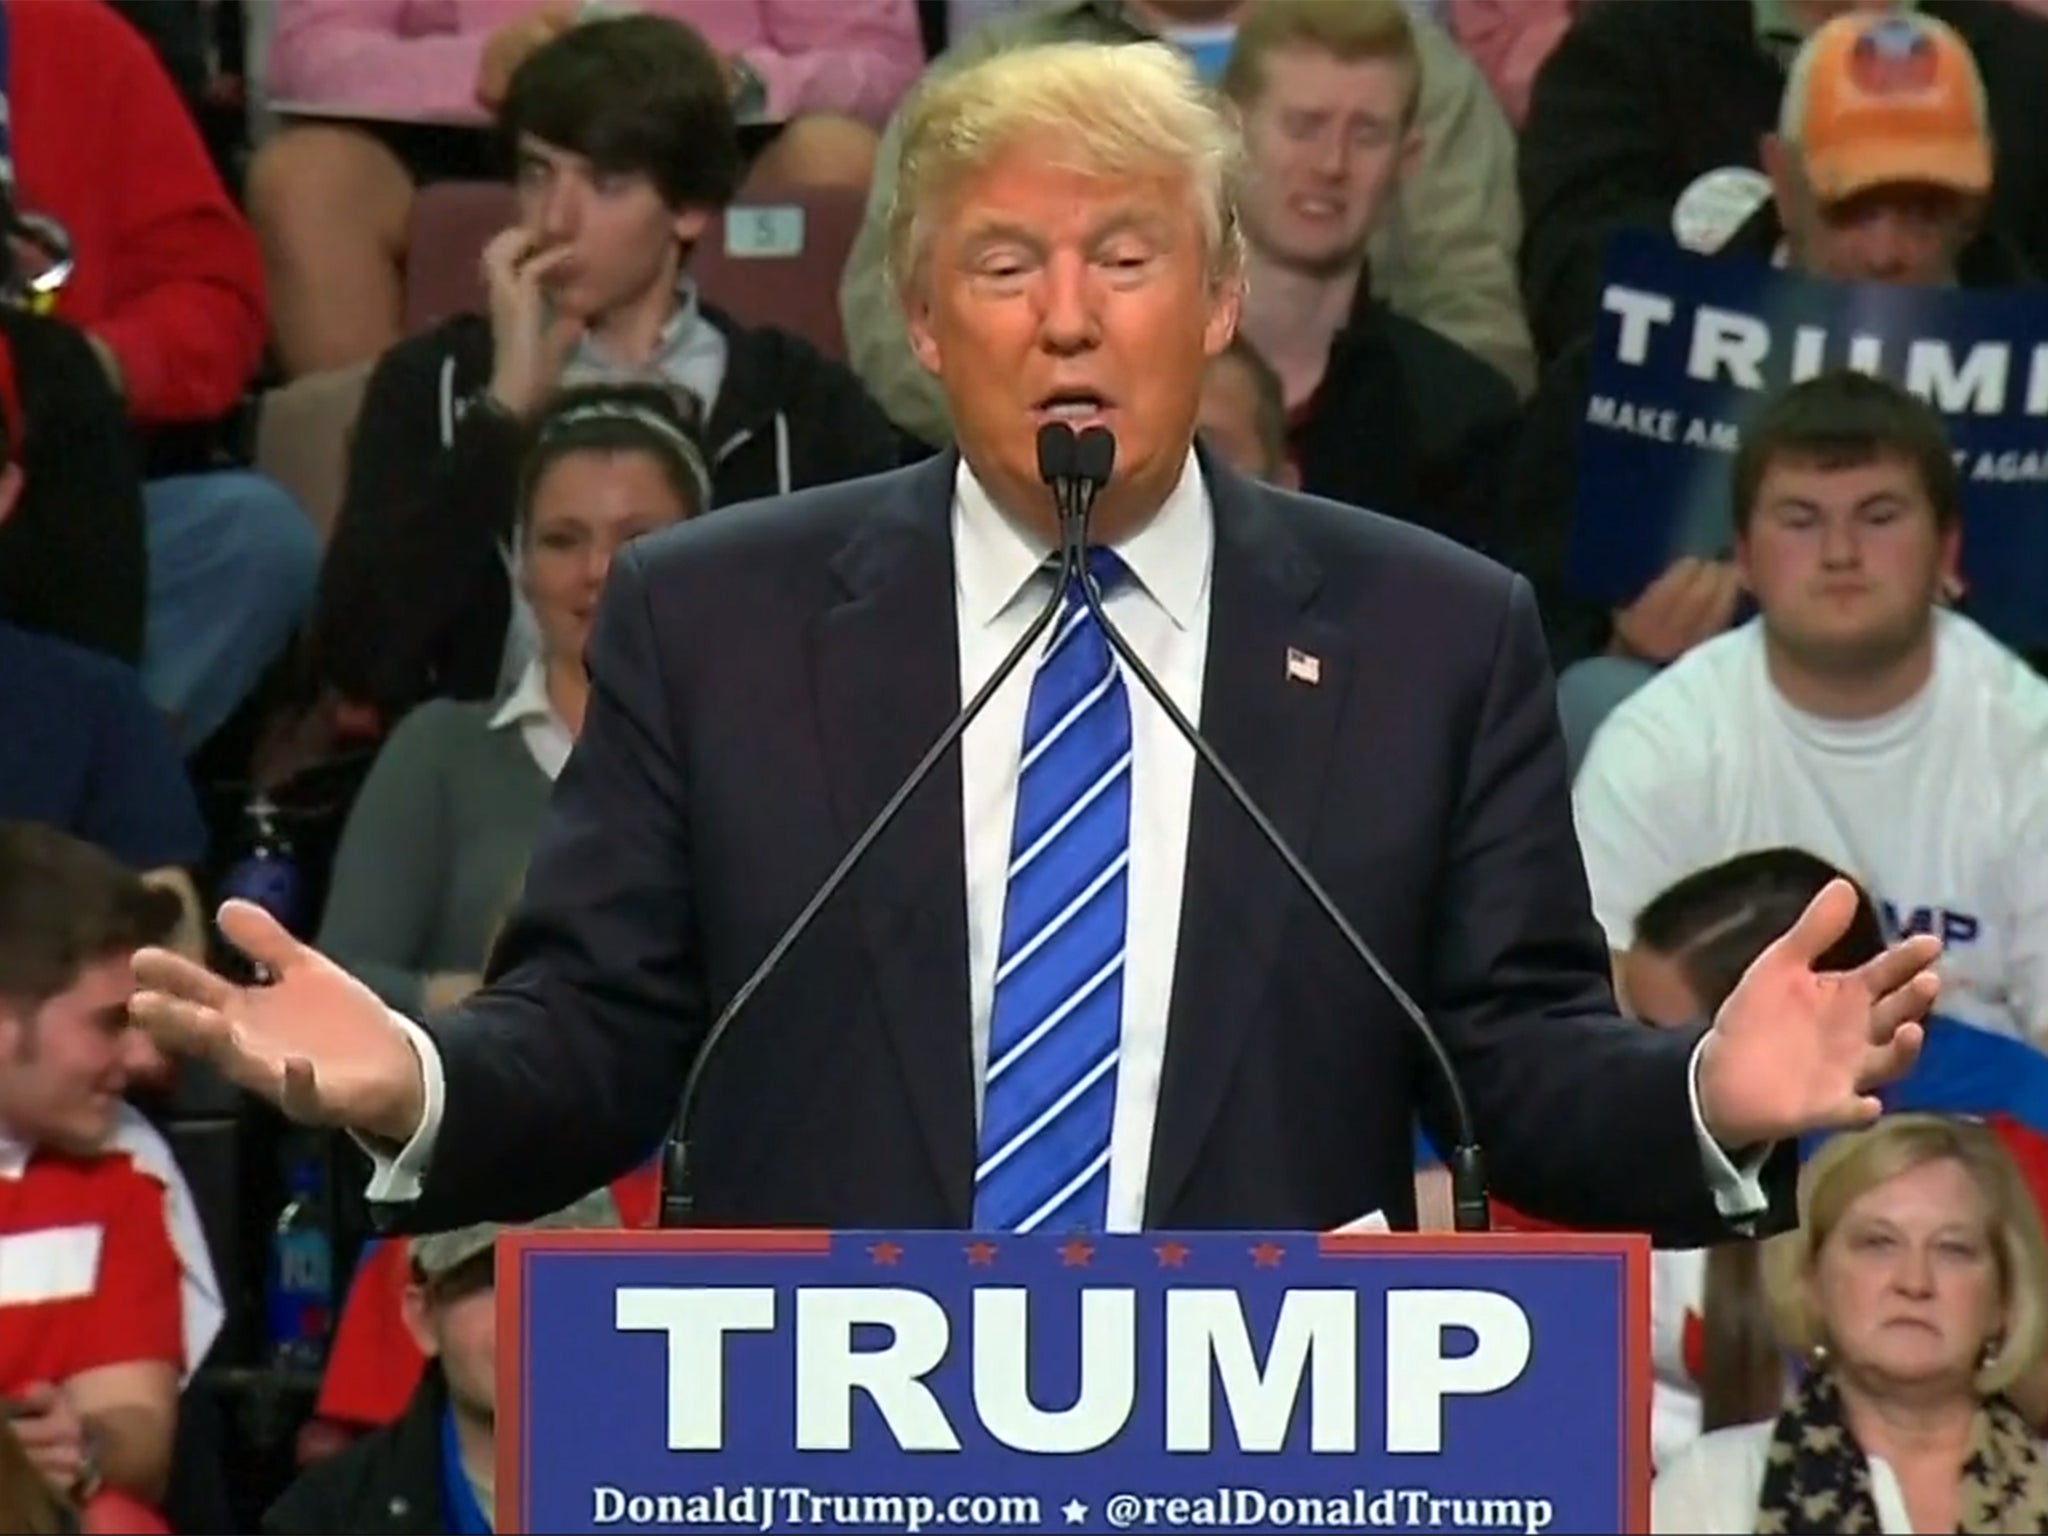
x,y
763,678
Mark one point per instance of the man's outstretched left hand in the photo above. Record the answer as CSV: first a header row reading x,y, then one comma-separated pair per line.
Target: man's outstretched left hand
x,y
1797,1049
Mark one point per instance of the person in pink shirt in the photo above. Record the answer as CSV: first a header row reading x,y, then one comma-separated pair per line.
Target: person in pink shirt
x,y
380,97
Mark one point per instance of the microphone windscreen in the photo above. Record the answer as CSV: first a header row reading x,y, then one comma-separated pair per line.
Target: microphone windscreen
x,y
1095,456
1057,452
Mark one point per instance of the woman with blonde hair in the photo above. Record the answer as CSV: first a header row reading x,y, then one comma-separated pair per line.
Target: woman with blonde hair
x,y
1915,1290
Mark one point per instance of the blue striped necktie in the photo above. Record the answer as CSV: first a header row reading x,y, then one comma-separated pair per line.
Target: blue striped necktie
x,y
1058,1015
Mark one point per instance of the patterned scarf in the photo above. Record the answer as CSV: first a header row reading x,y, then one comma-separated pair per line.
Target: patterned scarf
x,y
1818,1480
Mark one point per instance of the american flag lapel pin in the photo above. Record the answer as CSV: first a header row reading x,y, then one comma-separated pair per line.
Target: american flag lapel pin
x,y
1303,668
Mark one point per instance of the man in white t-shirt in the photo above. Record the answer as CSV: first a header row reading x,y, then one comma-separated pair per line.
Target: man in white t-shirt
x,y
1854,718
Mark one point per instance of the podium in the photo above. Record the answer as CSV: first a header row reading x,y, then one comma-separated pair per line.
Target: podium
x,y
945,1381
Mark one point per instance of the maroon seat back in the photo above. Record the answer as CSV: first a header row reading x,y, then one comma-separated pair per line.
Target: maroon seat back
x,y
452,222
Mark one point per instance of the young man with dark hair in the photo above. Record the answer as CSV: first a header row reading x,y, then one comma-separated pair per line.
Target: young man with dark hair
x,y
1696,937
332,192
623,136
92,1339
1855,716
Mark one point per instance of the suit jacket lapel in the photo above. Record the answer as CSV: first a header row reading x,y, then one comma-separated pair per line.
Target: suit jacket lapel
x,y
886,665
1273,690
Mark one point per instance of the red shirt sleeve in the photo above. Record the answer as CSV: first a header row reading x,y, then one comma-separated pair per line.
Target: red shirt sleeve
x,y
169,275
638,1195
1507,1219
137,1307
373,1365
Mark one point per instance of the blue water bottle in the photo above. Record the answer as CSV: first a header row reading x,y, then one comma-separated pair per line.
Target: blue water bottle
x,y
300,1289
267,873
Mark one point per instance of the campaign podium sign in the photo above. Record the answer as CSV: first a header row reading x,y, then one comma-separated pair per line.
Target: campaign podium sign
x,y
945,1381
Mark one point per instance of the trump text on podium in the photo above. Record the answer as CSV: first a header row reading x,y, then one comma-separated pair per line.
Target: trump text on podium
x,y
913,1382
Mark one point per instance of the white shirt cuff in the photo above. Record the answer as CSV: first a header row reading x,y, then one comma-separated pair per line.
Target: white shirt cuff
x,y
395,1180
1738,1191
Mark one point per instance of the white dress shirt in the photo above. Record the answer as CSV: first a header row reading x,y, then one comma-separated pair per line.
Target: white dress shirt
x,y
1164,612
528,708
1713,1486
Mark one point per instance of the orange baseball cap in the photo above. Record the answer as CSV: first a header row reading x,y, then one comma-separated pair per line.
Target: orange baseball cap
x,y
1875,100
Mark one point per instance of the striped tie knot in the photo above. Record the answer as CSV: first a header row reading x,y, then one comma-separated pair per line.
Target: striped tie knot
x,y
1105,565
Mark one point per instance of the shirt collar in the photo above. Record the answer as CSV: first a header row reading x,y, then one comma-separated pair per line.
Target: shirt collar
x,y
996,558
675,330
527,702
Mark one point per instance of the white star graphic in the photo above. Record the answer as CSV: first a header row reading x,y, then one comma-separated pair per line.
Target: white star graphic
x,y
1075,1511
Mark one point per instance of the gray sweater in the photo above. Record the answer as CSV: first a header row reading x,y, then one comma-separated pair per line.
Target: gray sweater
x,y
434,850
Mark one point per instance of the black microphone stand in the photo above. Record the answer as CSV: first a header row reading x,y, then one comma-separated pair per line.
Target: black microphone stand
x,y
1096,456
678,1197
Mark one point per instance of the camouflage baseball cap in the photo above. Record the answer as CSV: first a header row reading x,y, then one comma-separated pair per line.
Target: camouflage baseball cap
x,y
434,1254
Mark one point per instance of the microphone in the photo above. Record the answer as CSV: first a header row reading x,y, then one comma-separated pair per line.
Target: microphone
x,y
1076,467
1056,466
1094,457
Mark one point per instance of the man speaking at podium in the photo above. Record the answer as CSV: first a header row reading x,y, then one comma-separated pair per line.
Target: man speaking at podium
x,y
1072,987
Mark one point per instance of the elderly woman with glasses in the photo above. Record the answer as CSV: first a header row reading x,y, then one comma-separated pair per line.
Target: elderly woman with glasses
x,y
1915,1293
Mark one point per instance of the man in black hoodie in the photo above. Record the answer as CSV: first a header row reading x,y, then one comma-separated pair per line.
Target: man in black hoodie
x,y
1381,411
625,149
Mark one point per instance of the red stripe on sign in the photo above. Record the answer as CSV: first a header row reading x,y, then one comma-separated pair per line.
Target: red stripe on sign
x,y
712,1243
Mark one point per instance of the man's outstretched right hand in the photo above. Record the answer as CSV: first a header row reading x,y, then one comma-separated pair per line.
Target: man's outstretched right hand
x,y
315,1042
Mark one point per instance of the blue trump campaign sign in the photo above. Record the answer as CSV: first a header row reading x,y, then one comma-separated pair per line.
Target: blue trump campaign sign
x,y
1689,346
705,1381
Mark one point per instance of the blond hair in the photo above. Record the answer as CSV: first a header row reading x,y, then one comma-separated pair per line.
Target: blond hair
x,y
1850,1166
1350,31
1102,108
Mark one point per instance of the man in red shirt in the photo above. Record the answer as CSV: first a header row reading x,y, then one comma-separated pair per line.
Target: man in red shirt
x,y
166,283
91,1329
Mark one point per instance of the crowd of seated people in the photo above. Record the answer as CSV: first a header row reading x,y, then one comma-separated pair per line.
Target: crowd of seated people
x,y
659,204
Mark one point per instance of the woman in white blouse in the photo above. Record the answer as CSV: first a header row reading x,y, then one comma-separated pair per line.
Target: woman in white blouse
x,y
437,841
1916,1292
